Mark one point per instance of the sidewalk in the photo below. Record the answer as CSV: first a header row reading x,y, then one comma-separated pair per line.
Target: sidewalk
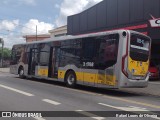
x,y
5,70
152,89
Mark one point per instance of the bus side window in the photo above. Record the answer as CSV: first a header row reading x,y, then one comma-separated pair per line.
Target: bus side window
x,y
70,52
108,51
89,48
17,54
43,54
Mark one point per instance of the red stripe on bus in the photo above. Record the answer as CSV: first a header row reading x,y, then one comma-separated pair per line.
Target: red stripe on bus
x,y
146,33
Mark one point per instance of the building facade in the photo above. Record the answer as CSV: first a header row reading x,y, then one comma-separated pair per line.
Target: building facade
x,y
60,31
139,15
31,38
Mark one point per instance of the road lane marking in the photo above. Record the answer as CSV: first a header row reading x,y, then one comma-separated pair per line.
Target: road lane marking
x,y
114,98
90,115
16,90
131,109
51,102
110,97
134,102
124,108
137,107
38,118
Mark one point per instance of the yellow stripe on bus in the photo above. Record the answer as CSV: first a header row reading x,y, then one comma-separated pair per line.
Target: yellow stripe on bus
x,y
43,72
92,78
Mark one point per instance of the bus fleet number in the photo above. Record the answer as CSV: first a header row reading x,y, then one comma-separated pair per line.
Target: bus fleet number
x,y
88,64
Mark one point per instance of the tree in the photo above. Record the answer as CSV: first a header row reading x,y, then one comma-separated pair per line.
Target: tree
x,y
6,53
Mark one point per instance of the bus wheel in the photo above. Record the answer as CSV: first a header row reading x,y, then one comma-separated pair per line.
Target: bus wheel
x,y
21,72
71,79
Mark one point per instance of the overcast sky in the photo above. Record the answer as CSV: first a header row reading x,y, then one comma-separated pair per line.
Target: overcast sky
x,y
20,17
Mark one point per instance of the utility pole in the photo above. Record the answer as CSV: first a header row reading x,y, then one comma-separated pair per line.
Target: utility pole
x,y
36,32
2,42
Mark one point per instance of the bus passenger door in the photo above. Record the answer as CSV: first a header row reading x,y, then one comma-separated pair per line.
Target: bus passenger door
x,y
32,61
53,62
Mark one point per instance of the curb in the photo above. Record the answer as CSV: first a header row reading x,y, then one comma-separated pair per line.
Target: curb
x,y
5,70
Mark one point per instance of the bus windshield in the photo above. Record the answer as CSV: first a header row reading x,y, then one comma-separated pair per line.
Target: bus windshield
x,y
139,47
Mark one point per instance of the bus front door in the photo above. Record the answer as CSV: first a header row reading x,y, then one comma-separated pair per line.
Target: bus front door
x,y
53,62
32,61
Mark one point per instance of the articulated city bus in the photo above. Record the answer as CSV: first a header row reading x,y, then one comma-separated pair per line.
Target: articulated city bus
x,y
112,59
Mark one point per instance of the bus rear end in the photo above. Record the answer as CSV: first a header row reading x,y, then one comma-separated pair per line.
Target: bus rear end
x,y
135,61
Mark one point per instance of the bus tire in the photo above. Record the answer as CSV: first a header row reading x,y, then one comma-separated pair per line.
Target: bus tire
x,y
21,72
70,79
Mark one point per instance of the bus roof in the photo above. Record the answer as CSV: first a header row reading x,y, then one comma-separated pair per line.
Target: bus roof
x,y
61,38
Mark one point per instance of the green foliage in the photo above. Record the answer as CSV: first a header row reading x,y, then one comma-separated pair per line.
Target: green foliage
x,y
6,53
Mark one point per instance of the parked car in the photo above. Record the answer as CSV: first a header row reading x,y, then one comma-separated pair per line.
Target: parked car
x,y
154,71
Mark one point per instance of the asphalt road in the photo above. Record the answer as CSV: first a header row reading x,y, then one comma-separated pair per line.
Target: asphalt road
x,y
87,102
